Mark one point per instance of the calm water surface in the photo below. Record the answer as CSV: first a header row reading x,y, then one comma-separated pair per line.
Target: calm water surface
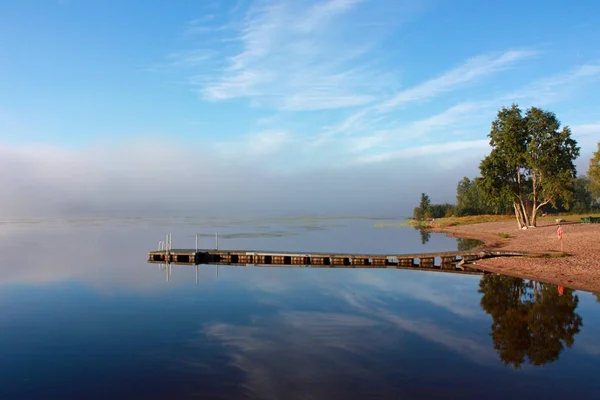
x,y
82,315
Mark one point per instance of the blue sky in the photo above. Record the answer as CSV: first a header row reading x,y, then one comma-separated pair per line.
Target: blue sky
x,y
263,92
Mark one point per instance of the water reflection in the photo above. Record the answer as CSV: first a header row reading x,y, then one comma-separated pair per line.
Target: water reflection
x,y
532,321
424,234
80,308
464,244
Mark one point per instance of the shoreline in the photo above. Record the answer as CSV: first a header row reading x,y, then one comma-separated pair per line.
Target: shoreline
x,y
580,270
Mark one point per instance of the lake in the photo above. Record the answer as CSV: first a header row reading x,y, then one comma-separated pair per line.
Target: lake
x,y
83,315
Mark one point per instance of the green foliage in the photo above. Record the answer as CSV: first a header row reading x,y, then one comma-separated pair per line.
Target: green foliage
x,y
531,161
442,210
531,321
424,205
582,201
426,210
473,198
594,173
418,213
504,235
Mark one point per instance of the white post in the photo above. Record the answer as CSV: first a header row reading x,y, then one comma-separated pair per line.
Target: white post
x,y
196,242
167,249
217,240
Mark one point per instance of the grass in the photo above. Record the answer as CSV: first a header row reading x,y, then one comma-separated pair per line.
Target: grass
x,y
568,217
504,235
548,255
479,219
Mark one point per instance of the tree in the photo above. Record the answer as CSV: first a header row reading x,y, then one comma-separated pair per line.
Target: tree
x,y
531,161
531,321
582,197
441,210
417,213
424,209
472,198
466,198
425,205
594,173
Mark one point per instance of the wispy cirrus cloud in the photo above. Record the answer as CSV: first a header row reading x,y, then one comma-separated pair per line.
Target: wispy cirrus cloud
x,y
587,129
435,149
382,117
553,88
294,57
288,57
463,126
472,70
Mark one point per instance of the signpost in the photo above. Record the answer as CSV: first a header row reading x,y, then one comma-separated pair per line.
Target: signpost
x,y
559,232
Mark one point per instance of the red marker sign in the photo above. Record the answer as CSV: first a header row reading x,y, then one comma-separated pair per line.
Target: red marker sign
x,y
559,233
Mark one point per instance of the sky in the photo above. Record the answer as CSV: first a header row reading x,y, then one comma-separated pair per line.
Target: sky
x,y
263,106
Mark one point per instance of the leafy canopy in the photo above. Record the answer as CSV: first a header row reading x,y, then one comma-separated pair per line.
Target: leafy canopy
x,y
531,161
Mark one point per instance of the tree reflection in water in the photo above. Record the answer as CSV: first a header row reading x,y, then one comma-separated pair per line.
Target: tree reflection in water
x,y
425,235
467,244
531,320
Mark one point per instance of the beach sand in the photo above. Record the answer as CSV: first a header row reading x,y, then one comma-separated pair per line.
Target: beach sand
x,y
580,270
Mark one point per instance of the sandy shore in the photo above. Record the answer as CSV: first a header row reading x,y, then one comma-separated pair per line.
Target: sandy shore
x,y
581,270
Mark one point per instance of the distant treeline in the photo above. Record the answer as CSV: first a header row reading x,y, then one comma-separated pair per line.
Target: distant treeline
x,y
473,199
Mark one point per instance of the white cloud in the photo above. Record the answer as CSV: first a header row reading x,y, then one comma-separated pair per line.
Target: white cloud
x,y
382,132
473,69
447,149
554,88
586,130
299,58
380,118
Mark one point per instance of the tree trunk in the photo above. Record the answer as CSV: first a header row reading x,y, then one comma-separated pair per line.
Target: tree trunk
x,y
534,215
523,209
524,213
534,204
518,215
535,211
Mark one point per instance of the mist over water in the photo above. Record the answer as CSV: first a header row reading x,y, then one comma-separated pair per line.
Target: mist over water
x,y
83,315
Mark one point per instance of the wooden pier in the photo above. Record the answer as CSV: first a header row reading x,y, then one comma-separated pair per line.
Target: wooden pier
x,y
447,261
191,256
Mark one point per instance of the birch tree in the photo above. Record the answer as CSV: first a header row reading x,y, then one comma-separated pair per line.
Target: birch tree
x,y
532,160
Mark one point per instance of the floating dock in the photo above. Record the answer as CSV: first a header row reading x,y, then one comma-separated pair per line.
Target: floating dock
x,y
191,256
443,260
